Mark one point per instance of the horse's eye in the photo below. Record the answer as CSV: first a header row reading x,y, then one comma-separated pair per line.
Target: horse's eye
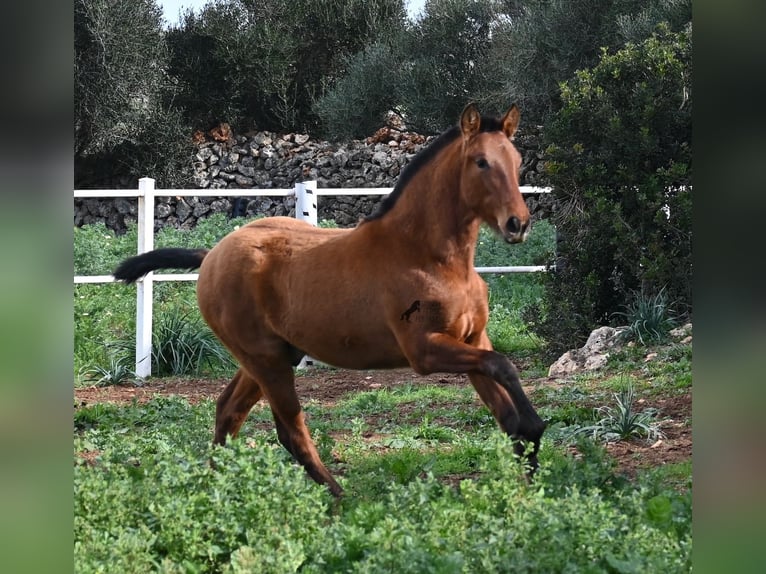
x,y
482,163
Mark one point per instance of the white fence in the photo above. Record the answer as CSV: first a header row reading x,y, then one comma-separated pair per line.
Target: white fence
x,y
305,194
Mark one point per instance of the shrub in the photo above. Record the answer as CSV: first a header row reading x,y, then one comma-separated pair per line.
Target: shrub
x,y
619,160
116,372
540,44
297,42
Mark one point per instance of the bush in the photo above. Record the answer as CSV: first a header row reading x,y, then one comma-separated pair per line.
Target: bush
x,y
619,160
182,344
541,44
147,498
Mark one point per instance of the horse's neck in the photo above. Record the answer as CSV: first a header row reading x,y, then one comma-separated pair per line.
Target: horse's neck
x,y
430,215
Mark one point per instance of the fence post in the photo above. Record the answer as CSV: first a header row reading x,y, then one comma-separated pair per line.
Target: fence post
x,y
306,210
144,287
306,202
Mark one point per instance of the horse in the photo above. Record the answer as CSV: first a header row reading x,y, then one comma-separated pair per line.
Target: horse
x,y
278,289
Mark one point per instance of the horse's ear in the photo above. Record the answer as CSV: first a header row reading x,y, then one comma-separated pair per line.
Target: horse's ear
x,y
470,121
510,121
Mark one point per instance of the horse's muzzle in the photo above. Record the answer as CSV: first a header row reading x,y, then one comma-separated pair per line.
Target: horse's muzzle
x,y
516,231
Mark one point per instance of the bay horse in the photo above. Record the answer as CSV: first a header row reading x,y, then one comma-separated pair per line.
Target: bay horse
x,y
278,289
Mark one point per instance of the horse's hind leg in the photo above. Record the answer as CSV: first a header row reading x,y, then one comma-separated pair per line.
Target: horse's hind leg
x,y
234,404
278,384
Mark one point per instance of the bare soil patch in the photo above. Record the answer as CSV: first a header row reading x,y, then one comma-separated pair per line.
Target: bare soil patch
x,y
327,386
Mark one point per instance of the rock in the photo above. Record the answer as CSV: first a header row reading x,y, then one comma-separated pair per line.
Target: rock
x,y
681,332
264,160
591,356
565,365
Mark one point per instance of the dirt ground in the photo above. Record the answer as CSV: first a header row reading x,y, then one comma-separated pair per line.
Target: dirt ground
x,y
327,386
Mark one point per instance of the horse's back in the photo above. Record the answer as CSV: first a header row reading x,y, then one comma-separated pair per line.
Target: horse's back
x,y
248,270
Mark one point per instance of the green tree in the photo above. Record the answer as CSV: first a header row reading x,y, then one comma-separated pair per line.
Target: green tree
x,y
357,104
426,72
262,63
619,159
448,49
540,43
122,123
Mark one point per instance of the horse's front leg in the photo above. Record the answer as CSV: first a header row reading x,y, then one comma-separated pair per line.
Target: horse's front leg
x,y
494,377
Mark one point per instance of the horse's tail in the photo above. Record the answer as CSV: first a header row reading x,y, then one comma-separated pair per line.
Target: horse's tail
x,y
133,268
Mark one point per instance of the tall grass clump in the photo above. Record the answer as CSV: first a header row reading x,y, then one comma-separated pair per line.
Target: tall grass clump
x,y
105,314
623,421
649,317
182,344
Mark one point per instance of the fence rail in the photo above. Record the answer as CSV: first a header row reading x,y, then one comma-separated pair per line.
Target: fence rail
x,y
305,194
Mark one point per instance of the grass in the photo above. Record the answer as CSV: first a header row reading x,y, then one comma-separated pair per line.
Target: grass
x,y
649,317
118,371
431,486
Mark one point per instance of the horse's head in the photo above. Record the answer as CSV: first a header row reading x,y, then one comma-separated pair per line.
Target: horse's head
x,y
490,175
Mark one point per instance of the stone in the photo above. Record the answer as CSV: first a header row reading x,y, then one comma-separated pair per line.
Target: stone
x,y
243,181
591,356
183,210
266,160
681,332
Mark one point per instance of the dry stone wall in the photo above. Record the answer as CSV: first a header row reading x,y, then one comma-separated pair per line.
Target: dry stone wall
x,y
266,160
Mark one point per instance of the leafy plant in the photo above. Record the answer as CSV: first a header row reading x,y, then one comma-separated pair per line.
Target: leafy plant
x,y
618,157
649,317
117,372
183,345
622,421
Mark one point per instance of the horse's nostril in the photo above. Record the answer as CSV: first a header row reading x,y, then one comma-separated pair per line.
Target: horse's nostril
x,y
513,225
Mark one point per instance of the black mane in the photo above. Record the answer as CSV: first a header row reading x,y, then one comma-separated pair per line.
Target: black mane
x,y
488,124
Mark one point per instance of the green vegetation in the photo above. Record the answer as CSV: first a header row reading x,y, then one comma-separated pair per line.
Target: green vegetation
x,y
649,318
183,344
334,68
623,421
104,335
431,486
619,161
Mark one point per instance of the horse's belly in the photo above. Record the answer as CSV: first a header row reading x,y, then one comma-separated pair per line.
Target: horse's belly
x,y
353,350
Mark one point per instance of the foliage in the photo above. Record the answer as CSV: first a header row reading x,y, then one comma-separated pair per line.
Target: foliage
x,y
357,103
537,45
619,159
426,72
117,372
623,422
182,344
512,296
649,317
488,51
446,49
262,63
167,499
123,118
420,497
105,314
